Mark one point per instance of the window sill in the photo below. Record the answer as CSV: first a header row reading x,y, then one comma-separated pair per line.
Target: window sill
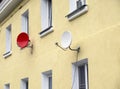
x,y
7,54
77,12
46,31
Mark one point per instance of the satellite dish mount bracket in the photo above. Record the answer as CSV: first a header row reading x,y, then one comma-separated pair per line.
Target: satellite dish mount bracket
x,y
78,49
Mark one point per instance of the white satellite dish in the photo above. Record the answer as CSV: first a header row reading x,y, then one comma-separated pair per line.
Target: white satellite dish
x,y
66,40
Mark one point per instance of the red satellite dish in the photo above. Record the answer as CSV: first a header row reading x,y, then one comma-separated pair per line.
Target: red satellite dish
x,y
23,40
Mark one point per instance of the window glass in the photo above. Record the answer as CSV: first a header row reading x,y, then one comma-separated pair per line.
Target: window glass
x,y
25,22
81,70
46,12
47,80
7,86
24,83
80,74
8,39
50,82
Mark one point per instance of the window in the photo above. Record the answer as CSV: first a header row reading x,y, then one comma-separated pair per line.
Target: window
x,y
47,80
80,75
24,83
77,8
7,86
46,17
8,42
25,22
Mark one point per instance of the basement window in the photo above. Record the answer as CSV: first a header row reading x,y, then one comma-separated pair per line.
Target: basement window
x,y
25,22
24,83
77,8
8,42
47,80
46,17
80,74
7,86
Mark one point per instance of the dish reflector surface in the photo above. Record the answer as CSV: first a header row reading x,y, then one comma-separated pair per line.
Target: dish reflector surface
x,y
66,39
22,40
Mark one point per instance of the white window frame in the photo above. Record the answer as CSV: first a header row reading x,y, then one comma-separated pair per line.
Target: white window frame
x,y
45,79
8,42
75,11
7,86
23,83
46,17
75,73
25,22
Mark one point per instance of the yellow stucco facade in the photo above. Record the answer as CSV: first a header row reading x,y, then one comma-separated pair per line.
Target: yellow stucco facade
x,y
97,32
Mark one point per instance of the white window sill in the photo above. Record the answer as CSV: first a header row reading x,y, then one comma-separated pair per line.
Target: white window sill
x,y
77,12
46,31
7,54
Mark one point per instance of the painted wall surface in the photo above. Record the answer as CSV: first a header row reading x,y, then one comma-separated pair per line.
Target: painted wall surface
x,y
97,32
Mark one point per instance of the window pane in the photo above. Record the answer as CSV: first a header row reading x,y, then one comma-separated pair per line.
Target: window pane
x,y
82,77
25,22
49,13
8,39
50,82
26,84
79,3
46,14
7,86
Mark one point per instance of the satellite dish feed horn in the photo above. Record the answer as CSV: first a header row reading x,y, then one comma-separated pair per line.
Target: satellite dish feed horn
x,y
66,40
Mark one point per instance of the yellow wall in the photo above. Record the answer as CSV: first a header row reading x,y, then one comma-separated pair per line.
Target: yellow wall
x,y
96,32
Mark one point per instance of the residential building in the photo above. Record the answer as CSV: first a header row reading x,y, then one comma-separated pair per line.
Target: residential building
x,y
37,59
